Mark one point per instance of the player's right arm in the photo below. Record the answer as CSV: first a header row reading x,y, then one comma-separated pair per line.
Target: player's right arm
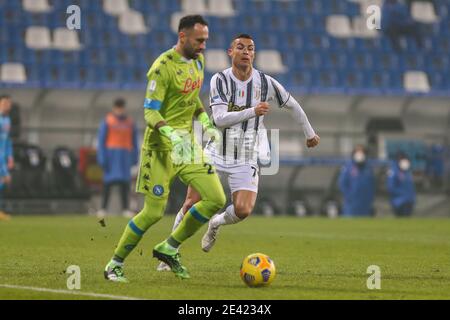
x,y
157,87
219,107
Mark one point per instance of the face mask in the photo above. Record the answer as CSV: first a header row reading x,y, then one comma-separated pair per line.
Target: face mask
x,y
359,157
404,164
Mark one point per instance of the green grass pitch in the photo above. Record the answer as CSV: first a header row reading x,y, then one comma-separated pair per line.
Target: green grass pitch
x,y
316,258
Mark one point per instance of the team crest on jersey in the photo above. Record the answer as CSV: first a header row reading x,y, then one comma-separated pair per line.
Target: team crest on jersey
x,y
191,71
158,190
257,92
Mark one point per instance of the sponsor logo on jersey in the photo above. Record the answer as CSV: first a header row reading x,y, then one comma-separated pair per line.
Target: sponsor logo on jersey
x,y
158,190
190,85
235,108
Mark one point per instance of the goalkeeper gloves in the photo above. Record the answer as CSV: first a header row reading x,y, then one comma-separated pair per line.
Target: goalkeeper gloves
x,y
181,145
210,130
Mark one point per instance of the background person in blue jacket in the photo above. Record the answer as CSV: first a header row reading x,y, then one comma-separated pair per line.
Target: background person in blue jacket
x,y
357,185
6,153
400,185
117,152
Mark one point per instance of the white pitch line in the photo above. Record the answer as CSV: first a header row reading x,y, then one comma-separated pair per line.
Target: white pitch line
x,y
74,292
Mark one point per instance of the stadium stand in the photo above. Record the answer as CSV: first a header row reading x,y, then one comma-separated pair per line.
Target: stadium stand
x,y
343,74
36,6
308,35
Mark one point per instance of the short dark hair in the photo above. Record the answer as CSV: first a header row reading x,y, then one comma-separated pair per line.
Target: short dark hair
x,y
4,96
120,103
242,35
188,22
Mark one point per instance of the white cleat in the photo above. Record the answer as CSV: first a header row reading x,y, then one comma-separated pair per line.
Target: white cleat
x,y
209,239
163,267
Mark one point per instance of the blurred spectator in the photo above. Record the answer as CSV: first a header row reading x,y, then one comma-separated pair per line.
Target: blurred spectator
x,y
117,152
435,167
357,185
400,186
6,154
396,21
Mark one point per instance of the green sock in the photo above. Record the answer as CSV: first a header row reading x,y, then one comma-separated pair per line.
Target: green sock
x,y
150,214
130,238
191,222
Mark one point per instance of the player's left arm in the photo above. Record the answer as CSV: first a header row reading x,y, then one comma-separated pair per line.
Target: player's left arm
x,y
285,100
208,126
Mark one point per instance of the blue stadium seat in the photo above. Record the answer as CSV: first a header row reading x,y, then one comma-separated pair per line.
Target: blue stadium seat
x,y
292,41
309,59
316,41
360,60
328,78
308,7
438,80
296,29
334,60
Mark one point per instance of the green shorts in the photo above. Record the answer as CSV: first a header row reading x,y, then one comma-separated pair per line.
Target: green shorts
x,y
156,173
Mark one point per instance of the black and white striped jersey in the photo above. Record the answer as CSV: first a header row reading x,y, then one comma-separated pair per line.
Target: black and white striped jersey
x,y
232,104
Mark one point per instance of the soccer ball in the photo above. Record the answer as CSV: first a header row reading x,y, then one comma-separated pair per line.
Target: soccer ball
x,y
257,270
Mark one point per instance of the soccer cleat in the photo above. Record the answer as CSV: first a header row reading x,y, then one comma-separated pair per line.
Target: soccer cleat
x,y
163,267
114,272
209,238
172,259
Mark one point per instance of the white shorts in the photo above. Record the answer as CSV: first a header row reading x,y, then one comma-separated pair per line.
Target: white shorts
x,y
240,176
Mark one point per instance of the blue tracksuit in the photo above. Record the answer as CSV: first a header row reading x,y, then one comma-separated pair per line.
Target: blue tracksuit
x,y
401,189
5,147
357,184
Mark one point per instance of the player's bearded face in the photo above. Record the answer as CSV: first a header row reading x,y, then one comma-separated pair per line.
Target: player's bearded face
x,y
194,41
242,52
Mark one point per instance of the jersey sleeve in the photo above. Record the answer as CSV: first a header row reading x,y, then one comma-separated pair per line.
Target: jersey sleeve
x,y
284,100
157,87
277,92
218,91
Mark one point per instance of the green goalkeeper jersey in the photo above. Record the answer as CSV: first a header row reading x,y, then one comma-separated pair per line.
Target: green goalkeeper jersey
x,y
173,89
